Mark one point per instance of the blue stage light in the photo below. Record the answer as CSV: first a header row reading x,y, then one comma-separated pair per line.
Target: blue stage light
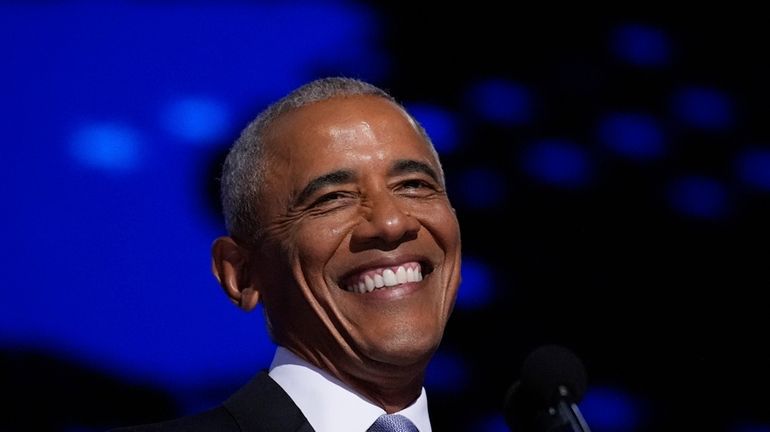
x,y
478,286
491,423
557,162
501,101
609,409
641,45
750,427
699,197
123,95
197,120
440,124
446,373
634,136
753,166
704,108
110,147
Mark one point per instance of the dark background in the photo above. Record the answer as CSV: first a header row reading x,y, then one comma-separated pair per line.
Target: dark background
x,y
105,320
664,306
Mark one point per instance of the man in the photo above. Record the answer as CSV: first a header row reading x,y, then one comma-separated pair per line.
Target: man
x,y
340,225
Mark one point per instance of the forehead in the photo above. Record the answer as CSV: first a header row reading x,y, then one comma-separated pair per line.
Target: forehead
x,y
345,132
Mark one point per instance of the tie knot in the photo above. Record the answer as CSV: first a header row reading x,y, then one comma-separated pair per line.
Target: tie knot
x,y
392,423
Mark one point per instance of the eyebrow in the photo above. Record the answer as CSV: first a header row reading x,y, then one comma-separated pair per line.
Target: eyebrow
x,y
332,178
406,166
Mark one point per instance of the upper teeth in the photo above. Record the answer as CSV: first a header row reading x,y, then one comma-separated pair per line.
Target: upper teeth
x,y
385,277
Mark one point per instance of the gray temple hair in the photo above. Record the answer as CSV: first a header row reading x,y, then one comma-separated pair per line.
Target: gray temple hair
x,y
245,167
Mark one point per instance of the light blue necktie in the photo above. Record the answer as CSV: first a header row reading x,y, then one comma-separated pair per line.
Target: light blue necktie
x,y
392,423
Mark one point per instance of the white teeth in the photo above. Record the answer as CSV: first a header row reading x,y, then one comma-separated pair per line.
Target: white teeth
x,y
410,275
401,274
389,277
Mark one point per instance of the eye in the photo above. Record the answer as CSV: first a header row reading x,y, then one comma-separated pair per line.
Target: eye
x,y
416,188
415,184
327,198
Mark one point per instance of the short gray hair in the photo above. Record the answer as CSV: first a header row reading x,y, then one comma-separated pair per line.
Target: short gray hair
x,y
244,169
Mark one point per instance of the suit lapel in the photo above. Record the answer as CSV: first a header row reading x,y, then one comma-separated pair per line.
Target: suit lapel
x,y
263,406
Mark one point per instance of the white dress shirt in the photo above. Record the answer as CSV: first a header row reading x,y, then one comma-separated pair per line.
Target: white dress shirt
x,y
329,404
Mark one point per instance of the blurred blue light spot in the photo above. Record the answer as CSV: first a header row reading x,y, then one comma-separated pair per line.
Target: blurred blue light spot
x,y
704,108
609,409
196,120
446,373
641,45
440,125
634,136
750,427
699,197
500,101
491,423
557,162
107,146
481,188
477,288
753,167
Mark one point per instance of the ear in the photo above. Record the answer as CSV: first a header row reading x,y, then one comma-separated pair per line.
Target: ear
x,y
230,265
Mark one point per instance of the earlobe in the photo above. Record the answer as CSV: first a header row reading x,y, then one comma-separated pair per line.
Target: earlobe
x,y
249,299
229,263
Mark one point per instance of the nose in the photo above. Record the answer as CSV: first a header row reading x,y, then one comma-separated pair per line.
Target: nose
x,y
386,224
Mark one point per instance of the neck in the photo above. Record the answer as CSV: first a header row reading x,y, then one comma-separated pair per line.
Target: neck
x,y
391,387
392,392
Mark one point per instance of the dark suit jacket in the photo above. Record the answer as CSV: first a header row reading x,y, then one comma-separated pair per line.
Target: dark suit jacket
x,y
259,406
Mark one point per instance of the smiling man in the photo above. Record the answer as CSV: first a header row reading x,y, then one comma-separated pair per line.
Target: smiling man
x,y
340,225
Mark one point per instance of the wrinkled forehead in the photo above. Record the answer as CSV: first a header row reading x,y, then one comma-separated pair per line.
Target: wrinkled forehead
x,y
346,130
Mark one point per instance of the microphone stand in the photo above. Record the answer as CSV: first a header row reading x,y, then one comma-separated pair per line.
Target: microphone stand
x,y
569,414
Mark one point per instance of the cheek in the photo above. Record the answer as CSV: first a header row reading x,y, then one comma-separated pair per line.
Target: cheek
x,y
319,239
443,225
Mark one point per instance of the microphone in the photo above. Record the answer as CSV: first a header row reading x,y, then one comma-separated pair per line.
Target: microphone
x,y
545,398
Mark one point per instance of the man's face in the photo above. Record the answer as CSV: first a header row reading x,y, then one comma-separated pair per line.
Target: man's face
x,y
354,200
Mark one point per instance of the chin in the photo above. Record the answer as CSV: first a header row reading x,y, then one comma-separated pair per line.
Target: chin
x,y
406,350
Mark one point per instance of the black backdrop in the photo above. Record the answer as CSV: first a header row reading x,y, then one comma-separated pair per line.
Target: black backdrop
x,y
668,307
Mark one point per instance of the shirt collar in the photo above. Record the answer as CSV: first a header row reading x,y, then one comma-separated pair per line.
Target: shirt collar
x,y
329,404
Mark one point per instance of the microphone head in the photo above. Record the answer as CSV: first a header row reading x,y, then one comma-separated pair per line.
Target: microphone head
x,y
549,367
544,372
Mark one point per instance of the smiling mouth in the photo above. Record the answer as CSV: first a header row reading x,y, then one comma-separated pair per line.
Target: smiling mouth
x,y
386,277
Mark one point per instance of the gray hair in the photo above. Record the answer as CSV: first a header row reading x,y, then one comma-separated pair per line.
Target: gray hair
x,y
245,167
